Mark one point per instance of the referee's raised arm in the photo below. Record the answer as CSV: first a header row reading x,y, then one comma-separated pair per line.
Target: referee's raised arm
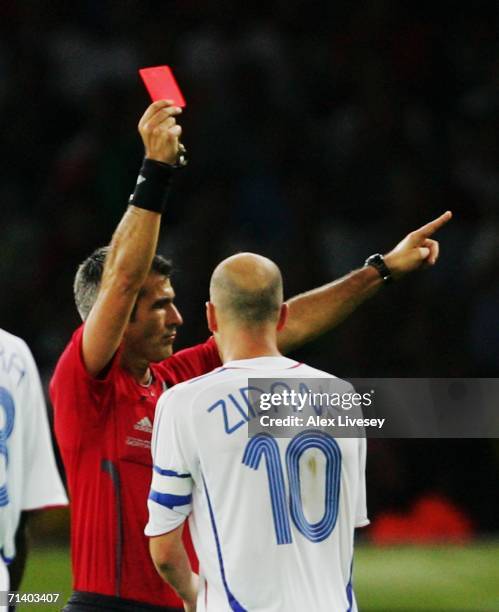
x,y
134,242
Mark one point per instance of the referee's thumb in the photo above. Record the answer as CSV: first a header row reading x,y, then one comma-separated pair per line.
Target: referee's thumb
x,y
423,252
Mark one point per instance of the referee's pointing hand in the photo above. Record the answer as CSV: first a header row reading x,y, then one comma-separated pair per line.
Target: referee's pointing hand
x,y
417,249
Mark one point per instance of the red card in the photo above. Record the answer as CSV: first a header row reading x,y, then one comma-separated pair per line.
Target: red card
x,y
161,84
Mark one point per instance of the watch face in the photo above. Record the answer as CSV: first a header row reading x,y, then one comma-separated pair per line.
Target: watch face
x,y
377,262
374,260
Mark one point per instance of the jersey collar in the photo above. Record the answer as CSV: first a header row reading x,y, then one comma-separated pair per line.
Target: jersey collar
x,y
262,363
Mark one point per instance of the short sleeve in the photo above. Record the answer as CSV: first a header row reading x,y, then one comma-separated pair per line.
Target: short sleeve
x,y
361,519
170,497
71,373
79,399
42,484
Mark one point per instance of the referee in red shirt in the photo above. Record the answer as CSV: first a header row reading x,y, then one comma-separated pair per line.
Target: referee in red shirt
x,y
108,380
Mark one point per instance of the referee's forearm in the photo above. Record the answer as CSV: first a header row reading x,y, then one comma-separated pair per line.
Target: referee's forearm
x,y
315,312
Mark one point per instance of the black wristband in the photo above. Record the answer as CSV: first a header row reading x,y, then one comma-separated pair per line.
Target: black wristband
x,y
377,261
153,186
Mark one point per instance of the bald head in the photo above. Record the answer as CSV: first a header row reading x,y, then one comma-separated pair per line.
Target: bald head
x,y
247,288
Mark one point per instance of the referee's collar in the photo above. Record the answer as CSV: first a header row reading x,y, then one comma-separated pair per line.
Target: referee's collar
x,y
277,362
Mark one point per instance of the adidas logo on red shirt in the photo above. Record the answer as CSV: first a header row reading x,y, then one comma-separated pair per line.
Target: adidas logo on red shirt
x,y
144,425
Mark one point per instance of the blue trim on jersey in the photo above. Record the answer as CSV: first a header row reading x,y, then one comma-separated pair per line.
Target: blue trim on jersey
x,y
233,603
168,500
163,472
350,590
7,560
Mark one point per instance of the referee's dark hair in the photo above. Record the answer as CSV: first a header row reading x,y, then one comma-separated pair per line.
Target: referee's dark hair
x,y
89,275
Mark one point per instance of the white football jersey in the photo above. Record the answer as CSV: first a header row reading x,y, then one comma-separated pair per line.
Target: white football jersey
x,y
28,473
272,519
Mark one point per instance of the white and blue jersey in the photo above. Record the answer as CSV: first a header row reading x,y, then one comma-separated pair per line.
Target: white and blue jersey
x,y
272,519
28,473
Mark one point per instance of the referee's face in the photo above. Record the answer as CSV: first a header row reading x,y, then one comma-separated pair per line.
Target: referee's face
x,y
151,333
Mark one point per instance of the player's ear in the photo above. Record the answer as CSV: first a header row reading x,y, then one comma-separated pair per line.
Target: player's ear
x,y
283,317
211,317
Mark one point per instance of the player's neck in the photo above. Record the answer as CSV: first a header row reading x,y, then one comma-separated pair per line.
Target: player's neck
x,y
247,345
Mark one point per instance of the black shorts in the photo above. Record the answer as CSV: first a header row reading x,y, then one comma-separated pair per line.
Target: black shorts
x,y
81,601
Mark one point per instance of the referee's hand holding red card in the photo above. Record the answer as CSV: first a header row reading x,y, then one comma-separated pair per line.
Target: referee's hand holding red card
x,y
160,132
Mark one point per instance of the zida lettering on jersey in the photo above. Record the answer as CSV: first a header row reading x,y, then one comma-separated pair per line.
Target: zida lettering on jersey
x,y
235,409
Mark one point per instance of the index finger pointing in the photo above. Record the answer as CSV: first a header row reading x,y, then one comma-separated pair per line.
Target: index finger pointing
x,y
431,227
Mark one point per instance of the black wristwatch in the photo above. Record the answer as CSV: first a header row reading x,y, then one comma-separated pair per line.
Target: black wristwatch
x,y
377,261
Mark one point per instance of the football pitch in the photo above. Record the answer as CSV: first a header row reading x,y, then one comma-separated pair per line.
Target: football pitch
x,y
406,578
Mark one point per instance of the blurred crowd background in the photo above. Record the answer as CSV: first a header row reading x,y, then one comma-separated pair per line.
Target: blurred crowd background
x,y
319,133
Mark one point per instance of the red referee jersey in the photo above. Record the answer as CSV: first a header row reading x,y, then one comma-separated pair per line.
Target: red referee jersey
x,y
103,428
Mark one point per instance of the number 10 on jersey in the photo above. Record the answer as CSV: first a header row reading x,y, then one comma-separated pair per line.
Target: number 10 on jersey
x,y
265,445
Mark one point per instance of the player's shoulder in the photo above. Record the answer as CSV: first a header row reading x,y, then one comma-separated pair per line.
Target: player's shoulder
x,y
13,348
11,341
190,389
310,372
179,401
305,368
17,365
